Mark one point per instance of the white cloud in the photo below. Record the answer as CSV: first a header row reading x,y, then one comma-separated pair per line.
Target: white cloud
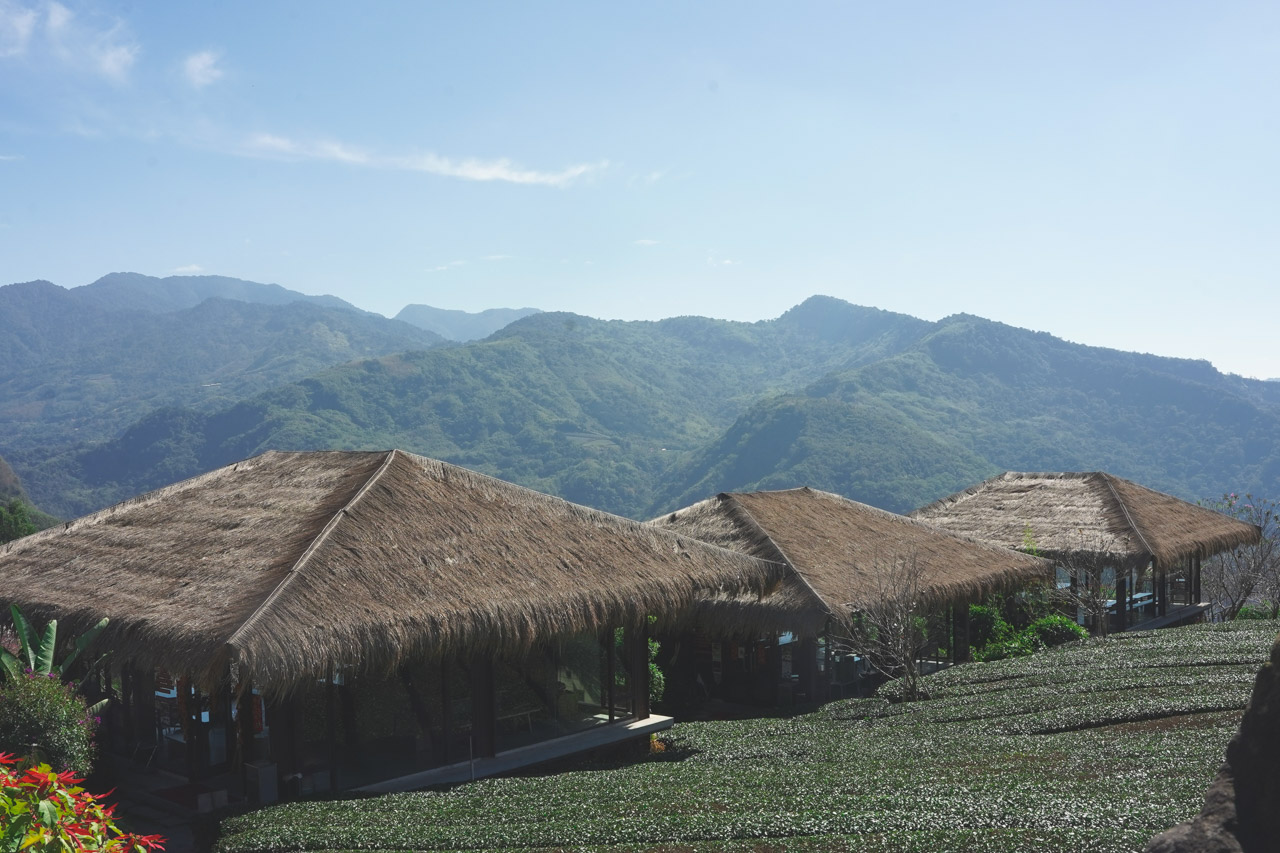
x,y
715,259
4,158
470,169
16,25
496,258
644,242
201,69
448,266
99,45
189,269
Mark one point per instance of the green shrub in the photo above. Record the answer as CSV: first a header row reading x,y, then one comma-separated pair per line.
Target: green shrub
x,y
1015,646
987,626
40,709
1250,611
1056,630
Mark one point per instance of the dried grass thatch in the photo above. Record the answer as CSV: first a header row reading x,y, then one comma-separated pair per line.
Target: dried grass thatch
x,y
834,548
1061,515
287,564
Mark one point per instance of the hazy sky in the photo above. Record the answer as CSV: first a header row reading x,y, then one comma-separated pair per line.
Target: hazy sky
x,y
1107,172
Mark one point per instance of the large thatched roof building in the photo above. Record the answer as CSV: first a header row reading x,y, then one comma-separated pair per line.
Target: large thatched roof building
x,y
1063,514
1131,554
286,565
836,550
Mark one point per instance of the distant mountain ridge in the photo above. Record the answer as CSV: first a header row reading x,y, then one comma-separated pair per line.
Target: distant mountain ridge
x,y
462,326
131,291
84,363
642,417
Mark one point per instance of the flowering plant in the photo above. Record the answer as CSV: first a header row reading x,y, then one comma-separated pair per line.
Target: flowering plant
x,y
47,812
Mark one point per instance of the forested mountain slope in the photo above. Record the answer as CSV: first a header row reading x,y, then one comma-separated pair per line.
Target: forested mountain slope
x,y
642,417
975,397
79,371
588,409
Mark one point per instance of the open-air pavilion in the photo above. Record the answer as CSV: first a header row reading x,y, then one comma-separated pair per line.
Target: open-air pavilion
x,y
841,557
1140,547
333,619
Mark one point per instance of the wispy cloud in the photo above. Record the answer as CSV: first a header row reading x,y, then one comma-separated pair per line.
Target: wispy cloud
x,y
201,69
496,258
646,242
99,46
5,158
470,169
715,259
448,266
646,179
16,26
189,269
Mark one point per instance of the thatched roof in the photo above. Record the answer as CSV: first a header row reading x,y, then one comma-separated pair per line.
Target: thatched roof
x,y
835,548
288,563
1062,515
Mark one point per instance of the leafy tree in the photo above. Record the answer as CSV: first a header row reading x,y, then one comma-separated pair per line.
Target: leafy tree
x,y
35,652
41,716
15,521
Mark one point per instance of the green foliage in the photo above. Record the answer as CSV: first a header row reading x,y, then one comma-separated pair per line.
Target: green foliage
x,y
44,811
41,710
1089,746
1250,611
657,678
36,649
15,521
1056,630
987,626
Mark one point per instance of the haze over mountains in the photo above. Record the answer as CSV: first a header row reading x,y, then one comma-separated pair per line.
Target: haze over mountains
x,y
114,395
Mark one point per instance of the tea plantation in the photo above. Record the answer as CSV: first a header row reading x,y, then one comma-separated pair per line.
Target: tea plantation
x,y
1093,746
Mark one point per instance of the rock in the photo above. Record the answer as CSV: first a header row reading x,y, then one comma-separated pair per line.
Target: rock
x,y
1241,811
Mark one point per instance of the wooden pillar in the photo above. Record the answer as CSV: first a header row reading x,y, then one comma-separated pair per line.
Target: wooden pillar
x,y
245,735
961,651
446,708
808,665
1162,591
143,682
1195,579
1122,602
331,728
636,642
484,708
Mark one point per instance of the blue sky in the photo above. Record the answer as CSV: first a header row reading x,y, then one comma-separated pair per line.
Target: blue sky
x,y
1107,172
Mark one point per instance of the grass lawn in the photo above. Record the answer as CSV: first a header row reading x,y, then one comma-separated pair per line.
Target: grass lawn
x,y
1094,746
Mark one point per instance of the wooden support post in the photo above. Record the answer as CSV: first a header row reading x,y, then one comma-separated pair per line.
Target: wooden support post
x,y
1122,602
446,709
1162,591
1195,579
808,668
961,652
331,729
144,705
484,708
245,735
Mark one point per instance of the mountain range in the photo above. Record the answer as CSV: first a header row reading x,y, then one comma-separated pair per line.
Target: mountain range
x,y
633,417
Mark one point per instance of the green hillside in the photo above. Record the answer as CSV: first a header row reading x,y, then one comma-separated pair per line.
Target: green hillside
x,y
80,372
642,417
973,398
1097,745
594,411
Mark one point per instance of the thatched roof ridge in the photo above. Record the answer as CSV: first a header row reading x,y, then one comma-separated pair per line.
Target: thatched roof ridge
x,y
835,547
287,564
1063,514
